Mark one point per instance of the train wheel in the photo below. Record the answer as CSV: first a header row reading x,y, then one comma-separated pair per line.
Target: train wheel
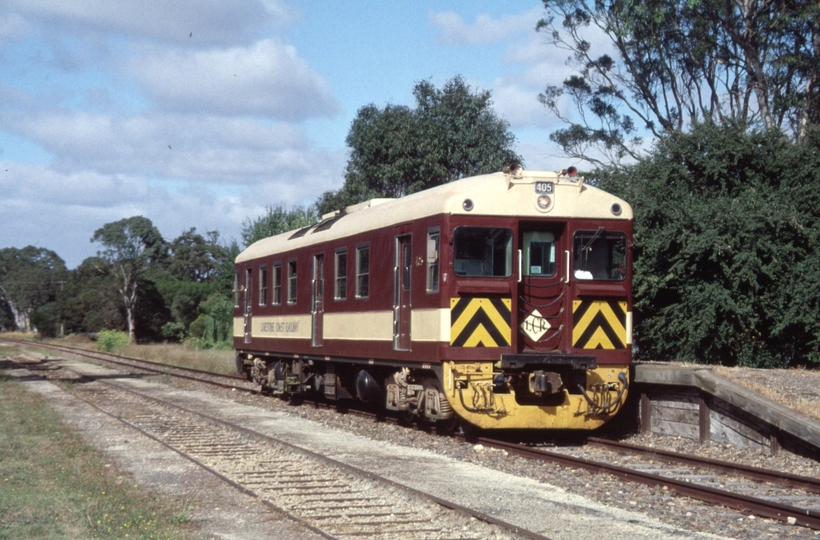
x,y
451,421
407,416
451,425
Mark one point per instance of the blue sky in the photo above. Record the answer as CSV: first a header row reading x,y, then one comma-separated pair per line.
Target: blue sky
x,y
200,113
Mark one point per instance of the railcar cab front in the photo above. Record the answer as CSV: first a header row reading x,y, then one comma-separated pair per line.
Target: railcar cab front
x,y
542,302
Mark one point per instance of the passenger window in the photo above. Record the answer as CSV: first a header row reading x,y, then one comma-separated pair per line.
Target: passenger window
x,y
277,284
340,290
433,246
363,271
482,252
599,255
539,253
292,282
236,290
263,286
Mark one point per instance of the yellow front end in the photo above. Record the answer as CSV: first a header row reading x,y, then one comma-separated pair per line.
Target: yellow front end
x,y
470,390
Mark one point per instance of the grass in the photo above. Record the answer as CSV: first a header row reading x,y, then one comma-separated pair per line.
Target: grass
x,y
180,355
174,354
53,485
806,403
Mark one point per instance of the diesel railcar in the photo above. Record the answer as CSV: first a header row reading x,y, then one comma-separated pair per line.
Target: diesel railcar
x,y
502,300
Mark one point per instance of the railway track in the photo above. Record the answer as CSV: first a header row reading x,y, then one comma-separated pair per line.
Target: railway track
x,y
750,490
330,498
197,375
771,494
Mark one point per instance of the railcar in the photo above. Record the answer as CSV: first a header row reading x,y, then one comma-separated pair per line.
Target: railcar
x,y
502,300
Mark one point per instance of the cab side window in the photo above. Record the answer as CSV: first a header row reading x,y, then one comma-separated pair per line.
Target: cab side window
x,y
599,255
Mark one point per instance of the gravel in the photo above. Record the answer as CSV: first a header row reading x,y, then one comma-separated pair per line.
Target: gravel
x,y
657,502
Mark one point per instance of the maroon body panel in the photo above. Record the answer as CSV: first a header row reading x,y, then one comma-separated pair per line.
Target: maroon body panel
x,y
389,249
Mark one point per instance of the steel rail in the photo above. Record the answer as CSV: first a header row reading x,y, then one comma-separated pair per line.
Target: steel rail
x,y
765,475
319,457
128,361
744,503
338,464
214,472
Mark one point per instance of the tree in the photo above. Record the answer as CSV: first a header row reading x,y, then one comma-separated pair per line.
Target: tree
x,y
29,279
754,64
277,220
452,133
129,246
193,257
727,235
89,301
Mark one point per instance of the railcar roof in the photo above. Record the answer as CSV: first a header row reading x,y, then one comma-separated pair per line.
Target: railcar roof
x,y
496,194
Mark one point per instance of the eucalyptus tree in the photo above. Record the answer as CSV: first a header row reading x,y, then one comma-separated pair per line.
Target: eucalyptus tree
x,y
129,246
655,66
30,278
194,257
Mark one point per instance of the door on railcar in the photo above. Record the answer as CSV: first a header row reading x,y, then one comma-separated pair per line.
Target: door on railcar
x,y
541,288
247,303
401,302
318,304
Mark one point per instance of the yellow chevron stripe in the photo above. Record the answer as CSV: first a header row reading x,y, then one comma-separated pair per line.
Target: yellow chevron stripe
x,y
582,325
464,319
613,321
599,340
498,320
480,336
599,337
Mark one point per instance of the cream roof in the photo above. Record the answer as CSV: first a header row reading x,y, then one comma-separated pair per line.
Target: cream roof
x,y
496,194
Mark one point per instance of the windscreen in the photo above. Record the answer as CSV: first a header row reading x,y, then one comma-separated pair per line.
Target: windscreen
x,y
599,255
482,251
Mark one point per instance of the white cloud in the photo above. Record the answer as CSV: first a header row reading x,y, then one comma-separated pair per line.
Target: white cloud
x,y
61,210
267,78
453,30
198,21
20,183
205,148
542,155
519,105
13,26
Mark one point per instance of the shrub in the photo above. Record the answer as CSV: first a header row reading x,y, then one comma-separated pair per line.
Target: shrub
x,y
174,331
727,247
111,340
46,321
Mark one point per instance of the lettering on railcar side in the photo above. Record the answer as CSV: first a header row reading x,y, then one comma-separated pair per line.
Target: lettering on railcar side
x,y
280,327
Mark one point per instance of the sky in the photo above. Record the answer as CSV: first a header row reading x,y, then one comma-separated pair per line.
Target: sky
x,y
201,113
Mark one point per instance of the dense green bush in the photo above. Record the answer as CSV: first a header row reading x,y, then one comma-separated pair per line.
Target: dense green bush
x,y
213,329
47,321
173,331
111,340
727,247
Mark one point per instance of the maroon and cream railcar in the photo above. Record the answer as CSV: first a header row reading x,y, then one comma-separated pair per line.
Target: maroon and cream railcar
x,y
503,300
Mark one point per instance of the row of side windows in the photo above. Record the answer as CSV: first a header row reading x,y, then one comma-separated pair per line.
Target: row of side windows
x,y
362,275
340,288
